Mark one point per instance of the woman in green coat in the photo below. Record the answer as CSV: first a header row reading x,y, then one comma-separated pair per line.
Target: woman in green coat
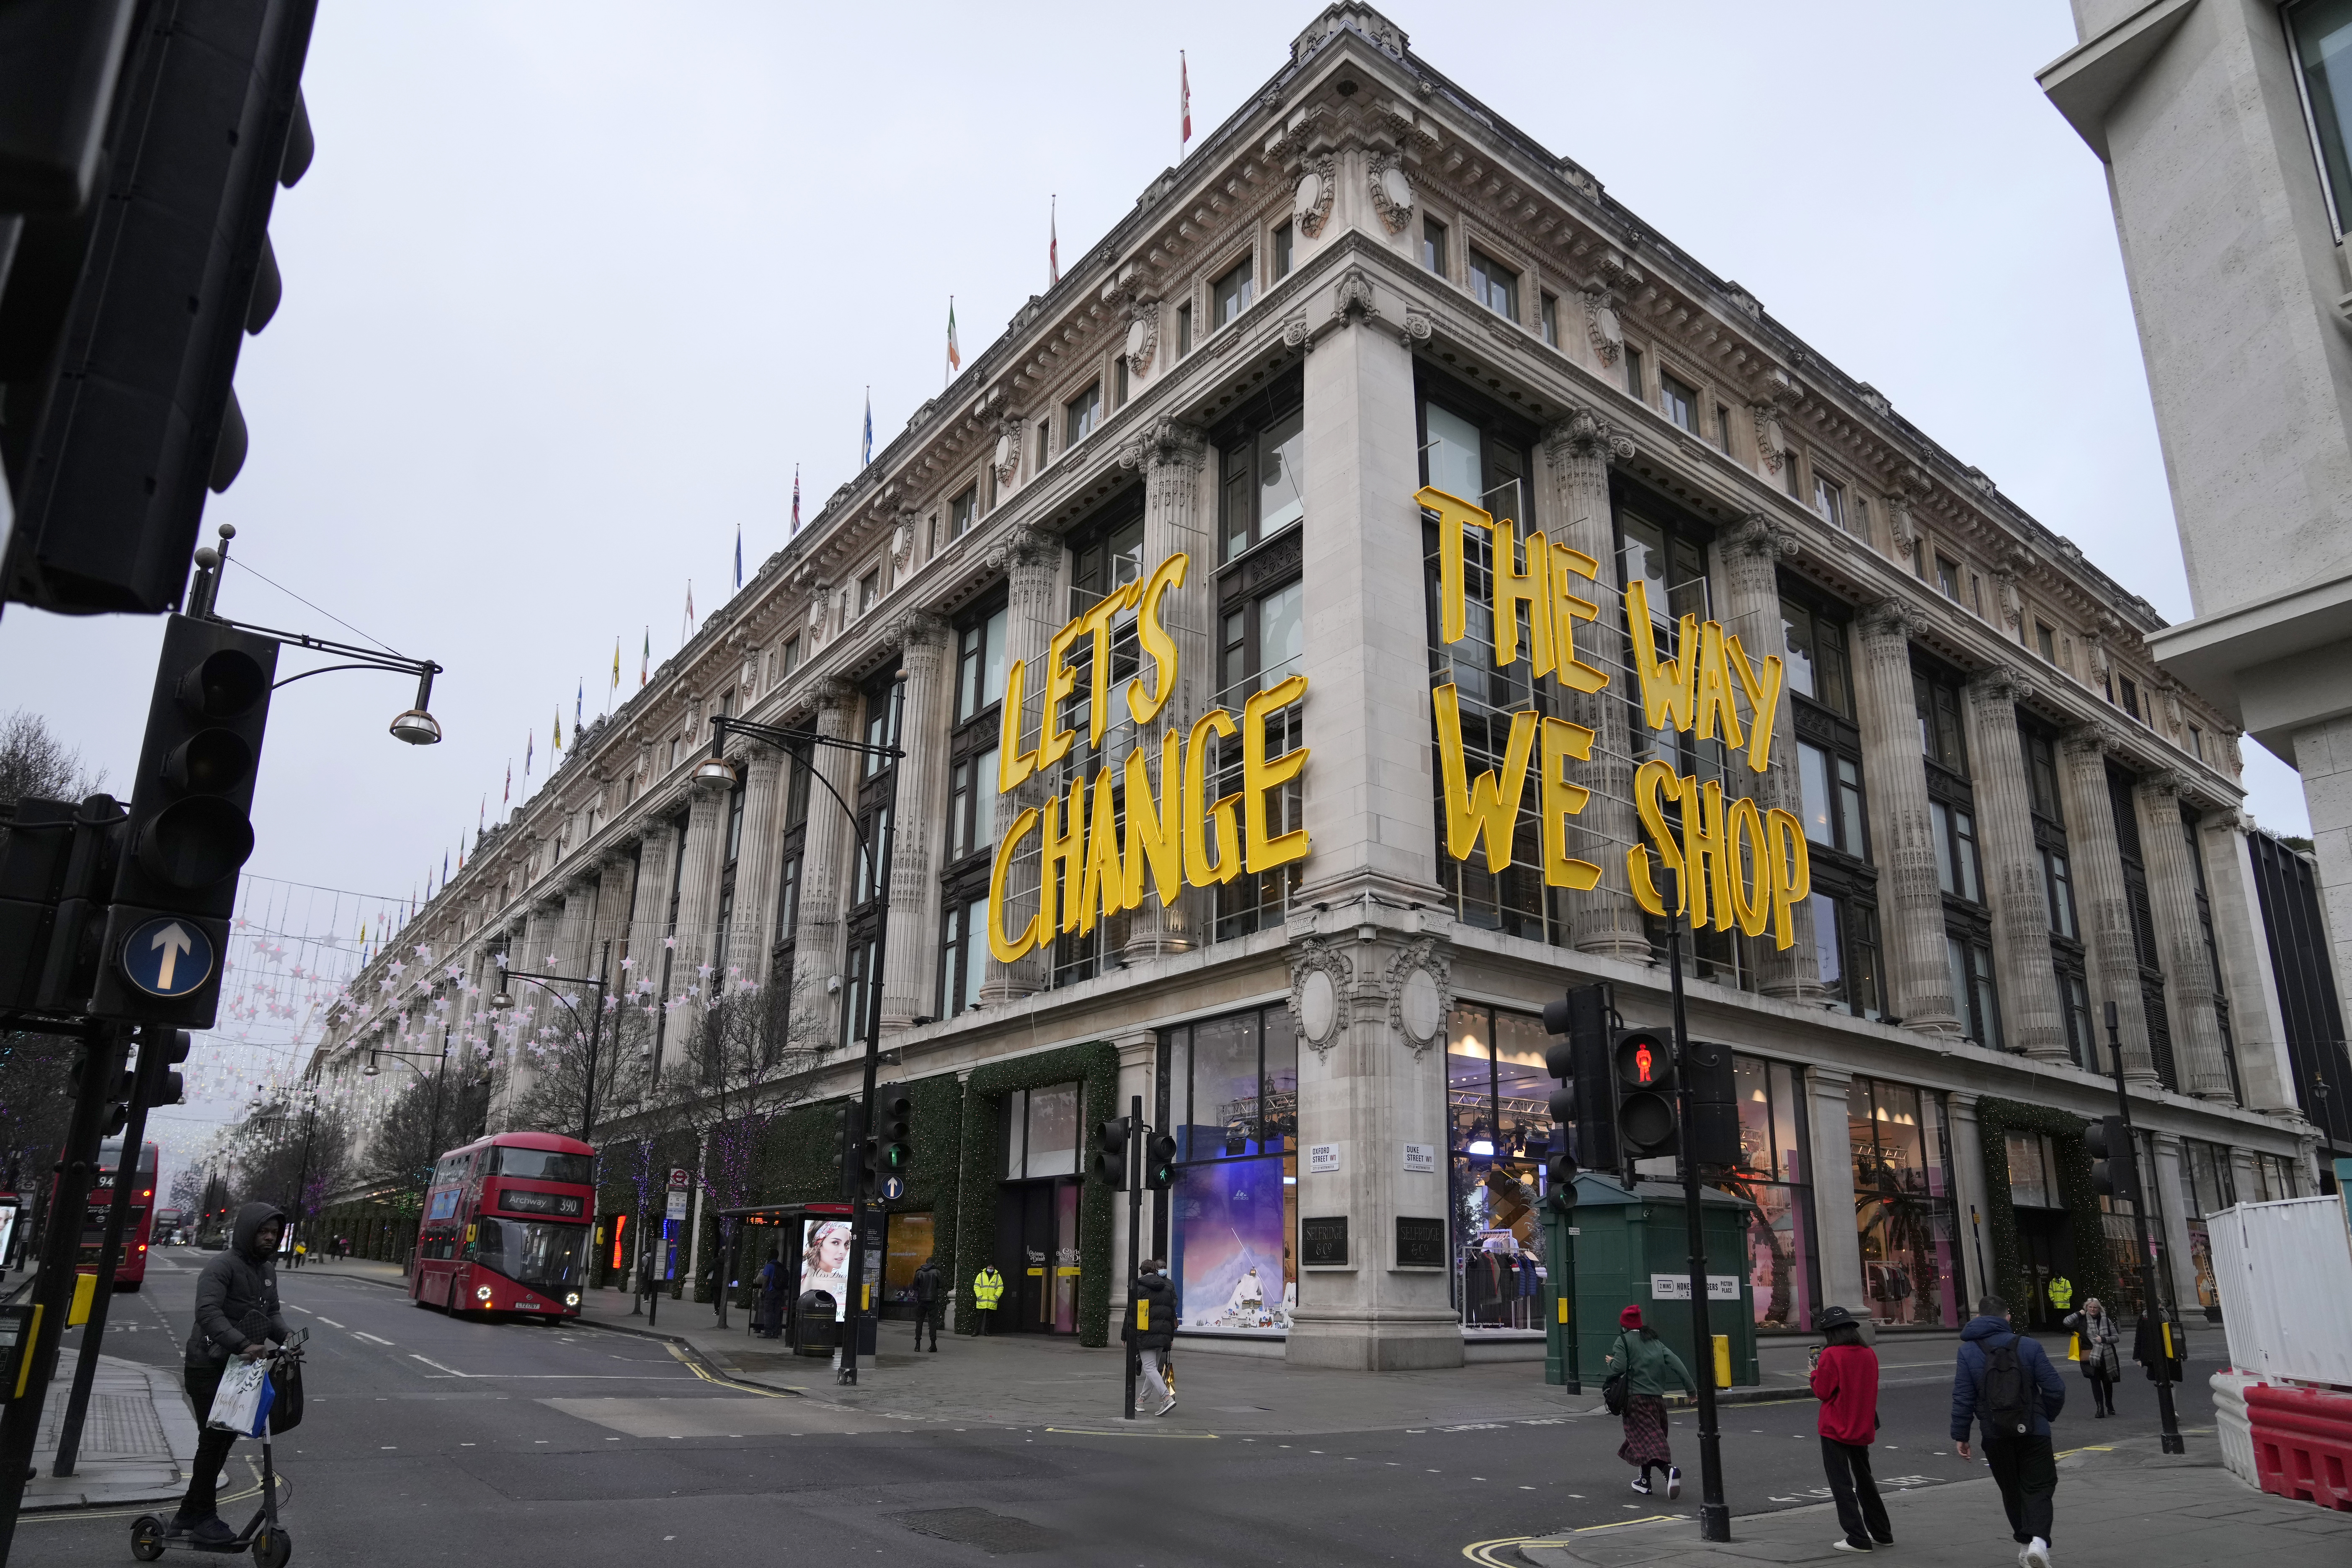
x,y
1649,1364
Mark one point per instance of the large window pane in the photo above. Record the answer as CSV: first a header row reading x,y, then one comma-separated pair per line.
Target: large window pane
x,y
1454,465
1224,1115
1278,1080
1281,475
1053,1130
1813,775
2323,43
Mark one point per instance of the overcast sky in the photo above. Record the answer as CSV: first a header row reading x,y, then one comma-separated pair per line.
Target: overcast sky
x,y
573,290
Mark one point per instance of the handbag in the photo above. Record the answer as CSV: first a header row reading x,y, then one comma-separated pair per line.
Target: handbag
x,y
286,1402
1615,1389
242,1402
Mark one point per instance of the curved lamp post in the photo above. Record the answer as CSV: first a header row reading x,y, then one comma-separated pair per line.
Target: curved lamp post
x,y
503,1001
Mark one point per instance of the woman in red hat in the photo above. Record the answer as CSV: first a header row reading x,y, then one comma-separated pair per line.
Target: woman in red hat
x,y
1648,1364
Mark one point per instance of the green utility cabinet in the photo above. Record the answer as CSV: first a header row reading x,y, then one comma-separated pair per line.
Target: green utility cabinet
x,y
1628,1238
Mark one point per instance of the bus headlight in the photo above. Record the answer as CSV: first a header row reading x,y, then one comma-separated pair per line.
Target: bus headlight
x,y
481,1292
572,1299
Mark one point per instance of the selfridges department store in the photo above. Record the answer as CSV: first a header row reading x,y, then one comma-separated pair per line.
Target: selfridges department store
x,y
1253,620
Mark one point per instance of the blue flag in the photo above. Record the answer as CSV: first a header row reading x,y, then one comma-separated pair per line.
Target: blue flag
x,y
866,453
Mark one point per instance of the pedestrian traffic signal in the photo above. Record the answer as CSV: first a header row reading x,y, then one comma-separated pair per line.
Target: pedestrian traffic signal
x,y
2114,1164
1110,1163
1715,1104
1159,1161
189,830
896,1150
124,318
1646,1121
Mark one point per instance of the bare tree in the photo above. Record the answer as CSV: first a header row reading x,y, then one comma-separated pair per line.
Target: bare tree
x,y
289,1151
34,763
570,1045
439,1111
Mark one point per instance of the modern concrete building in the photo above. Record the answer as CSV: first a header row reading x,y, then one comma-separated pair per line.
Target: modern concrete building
x,y
2224,127
1224,795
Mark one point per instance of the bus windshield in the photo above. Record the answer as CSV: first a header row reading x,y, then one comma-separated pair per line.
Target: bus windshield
x,y
543,1165
544,1255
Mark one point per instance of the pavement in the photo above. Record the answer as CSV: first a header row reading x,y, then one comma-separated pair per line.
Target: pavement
x,y
138,1439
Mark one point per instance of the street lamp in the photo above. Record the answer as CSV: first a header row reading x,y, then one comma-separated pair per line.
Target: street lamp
x,y
503,1001
715,769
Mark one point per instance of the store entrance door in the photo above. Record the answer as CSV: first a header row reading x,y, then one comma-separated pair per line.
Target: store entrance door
x,y
1037,1253
2044,1244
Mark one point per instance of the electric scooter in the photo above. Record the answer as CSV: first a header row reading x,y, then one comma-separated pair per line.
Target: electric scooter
x,y
151,1535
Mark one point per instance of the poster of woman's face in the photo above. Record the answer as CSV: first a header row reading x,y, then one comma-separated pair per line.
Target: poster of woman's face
x,y
825,1259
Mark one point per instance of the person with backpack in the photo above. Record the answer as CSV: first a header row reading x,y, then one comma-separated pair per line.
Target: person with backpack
x,y
1644,1364
2004,1383
2099,1341
1150,1329
1845,1380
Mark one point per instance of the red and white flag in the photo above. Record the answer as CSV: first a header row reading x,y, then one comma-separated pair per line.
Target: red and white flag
x,y
1184,101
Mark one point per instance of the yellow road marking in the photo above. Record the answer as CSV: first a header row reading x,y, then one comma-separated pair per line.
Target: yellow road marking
x,y
695,1367
1097,1432
1483,1551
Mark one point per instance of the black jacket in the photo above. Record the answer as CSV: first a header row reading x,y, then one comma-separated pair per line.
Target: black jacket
x,y
1157,1298
237,1295
926,1284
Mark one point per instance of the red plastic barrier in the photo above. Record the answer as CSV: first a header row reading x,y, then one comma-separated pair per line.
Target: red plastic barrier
x,y
2303,1443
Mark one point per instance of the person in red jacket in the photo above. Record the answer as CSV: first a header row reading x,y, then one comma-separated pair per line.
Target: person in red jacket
x,y
1845,1380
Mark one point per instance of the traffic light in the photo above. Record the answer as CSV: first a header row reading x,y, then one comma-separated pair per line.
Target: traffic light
x,y
56,870
1715,1104
1559,1175
1646,1123
895,1150
1579,1057
116,1083
122,319
1159,1161
159,1052
849,1145
1110,1163
2114,1164
189,829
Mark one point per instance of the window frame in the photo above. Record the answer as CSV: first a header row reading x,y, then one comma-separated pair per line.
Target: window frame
x,y
1434,236
1280,245
1487,278
1674,394
1243,275
1241,445
1078,422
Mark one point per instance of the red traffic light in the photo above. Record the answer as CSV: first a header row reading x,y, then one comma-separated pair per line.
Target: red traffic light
x,y
1646,1059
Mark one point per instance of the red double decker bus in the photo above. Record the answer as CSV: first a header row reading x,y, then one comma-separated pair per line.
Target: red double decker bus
x,y
505,1226
131,1264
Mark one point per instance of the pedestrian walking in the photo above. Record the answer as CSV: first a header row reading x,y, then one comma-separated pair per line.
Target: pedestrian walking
x,y
768,1315
2005,1384
2099,1346
930,1301
2159,1345
1845,1380
300,1250
1152,1329
236,1315
987,1288
1646,1362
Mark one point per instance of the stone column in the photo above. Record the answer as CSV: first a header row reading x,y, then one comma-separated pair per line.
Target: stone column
x,y
1603,922
1751,555
1372,1075
1172,456
2028,980
649,912
617,876
2323,755
1840,1244
827,859
751,932
910,966
2187,969
697,913
1968,1199
1031,562
2110,958
2257,1023
1902,837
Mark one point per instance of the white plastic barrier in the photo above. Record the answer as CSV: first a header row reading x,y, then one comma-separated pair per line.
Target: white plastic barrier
x,y
2230,1421
2285,1274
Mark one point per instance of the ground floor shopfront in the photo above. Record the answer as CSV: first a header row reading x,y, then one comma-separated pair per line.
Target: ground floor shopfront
x,y
1899,1180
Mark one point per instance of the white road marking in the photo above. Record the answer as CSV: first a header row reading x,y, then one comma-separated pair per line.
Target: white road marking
x,y
294,1307
331,1322
370,1338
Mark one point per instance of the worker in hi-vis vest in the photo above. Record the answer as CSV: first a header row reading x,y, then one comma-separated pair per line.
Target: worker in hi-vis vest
x,y
987,1286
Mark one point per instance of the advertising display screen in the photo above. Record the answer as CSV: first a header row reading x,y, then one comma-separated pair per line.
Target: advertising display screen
x,y
824,1261
1233,1264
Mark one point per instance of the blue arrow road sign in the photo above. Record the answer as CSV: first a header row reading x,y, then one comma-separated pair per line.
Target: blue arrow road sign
x,y
168,957
894,1188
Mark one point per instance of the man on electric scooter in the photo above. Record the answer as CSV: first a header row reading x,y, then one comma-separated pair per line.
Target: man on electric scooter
x,y
236,1315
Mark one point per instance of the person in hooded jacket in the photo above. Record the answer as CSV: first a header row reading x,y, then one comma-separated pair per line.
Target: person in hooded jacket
x,y
2023,1466
236,1315
1845,1380
1152,1329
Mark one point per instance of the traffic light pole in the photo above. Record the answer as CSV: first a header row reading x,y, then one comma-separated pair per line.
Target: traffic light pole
x,y
1134,1230
53,1291
155,1049
2151,1300
1713,1513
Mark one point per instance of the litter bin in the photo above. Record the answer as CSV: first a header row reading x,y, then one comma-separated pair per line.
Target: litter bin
x,y
814,1331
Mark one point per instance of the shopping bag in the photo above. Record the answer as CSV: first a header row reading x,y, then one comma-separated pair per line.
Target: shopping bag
x,y
241,1403
286,1398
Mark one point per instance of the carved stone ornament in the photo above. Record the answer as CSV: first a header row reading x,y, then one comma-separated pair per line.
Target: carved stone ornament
x,y
1602,325
1418,326
1891,617
1757,535
902,545
1391,192
1352,299
1322,976
1143,336
1298,334
820,599
1317,184
1007,457
1164,443
1771,438
1586,434
1420,983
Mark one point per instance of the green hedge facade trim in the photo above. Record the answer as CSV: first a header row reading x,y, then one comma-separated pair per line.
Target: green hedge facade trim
x,y
1096,1066
2093,1270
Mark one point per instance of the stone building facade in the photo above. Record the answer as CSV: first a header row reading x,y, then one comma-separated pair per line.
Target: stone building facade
x,y
1364,283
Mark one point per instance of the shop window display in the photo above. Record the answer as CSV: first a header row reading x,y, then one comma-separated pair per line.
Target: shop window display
x,y
1904,1211
1773,1176
1231,1092
2211,1187
1498,1129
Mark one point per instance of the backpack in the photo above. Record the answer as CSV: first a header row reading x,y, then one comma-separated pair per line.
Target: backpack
x,y
2006,1397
